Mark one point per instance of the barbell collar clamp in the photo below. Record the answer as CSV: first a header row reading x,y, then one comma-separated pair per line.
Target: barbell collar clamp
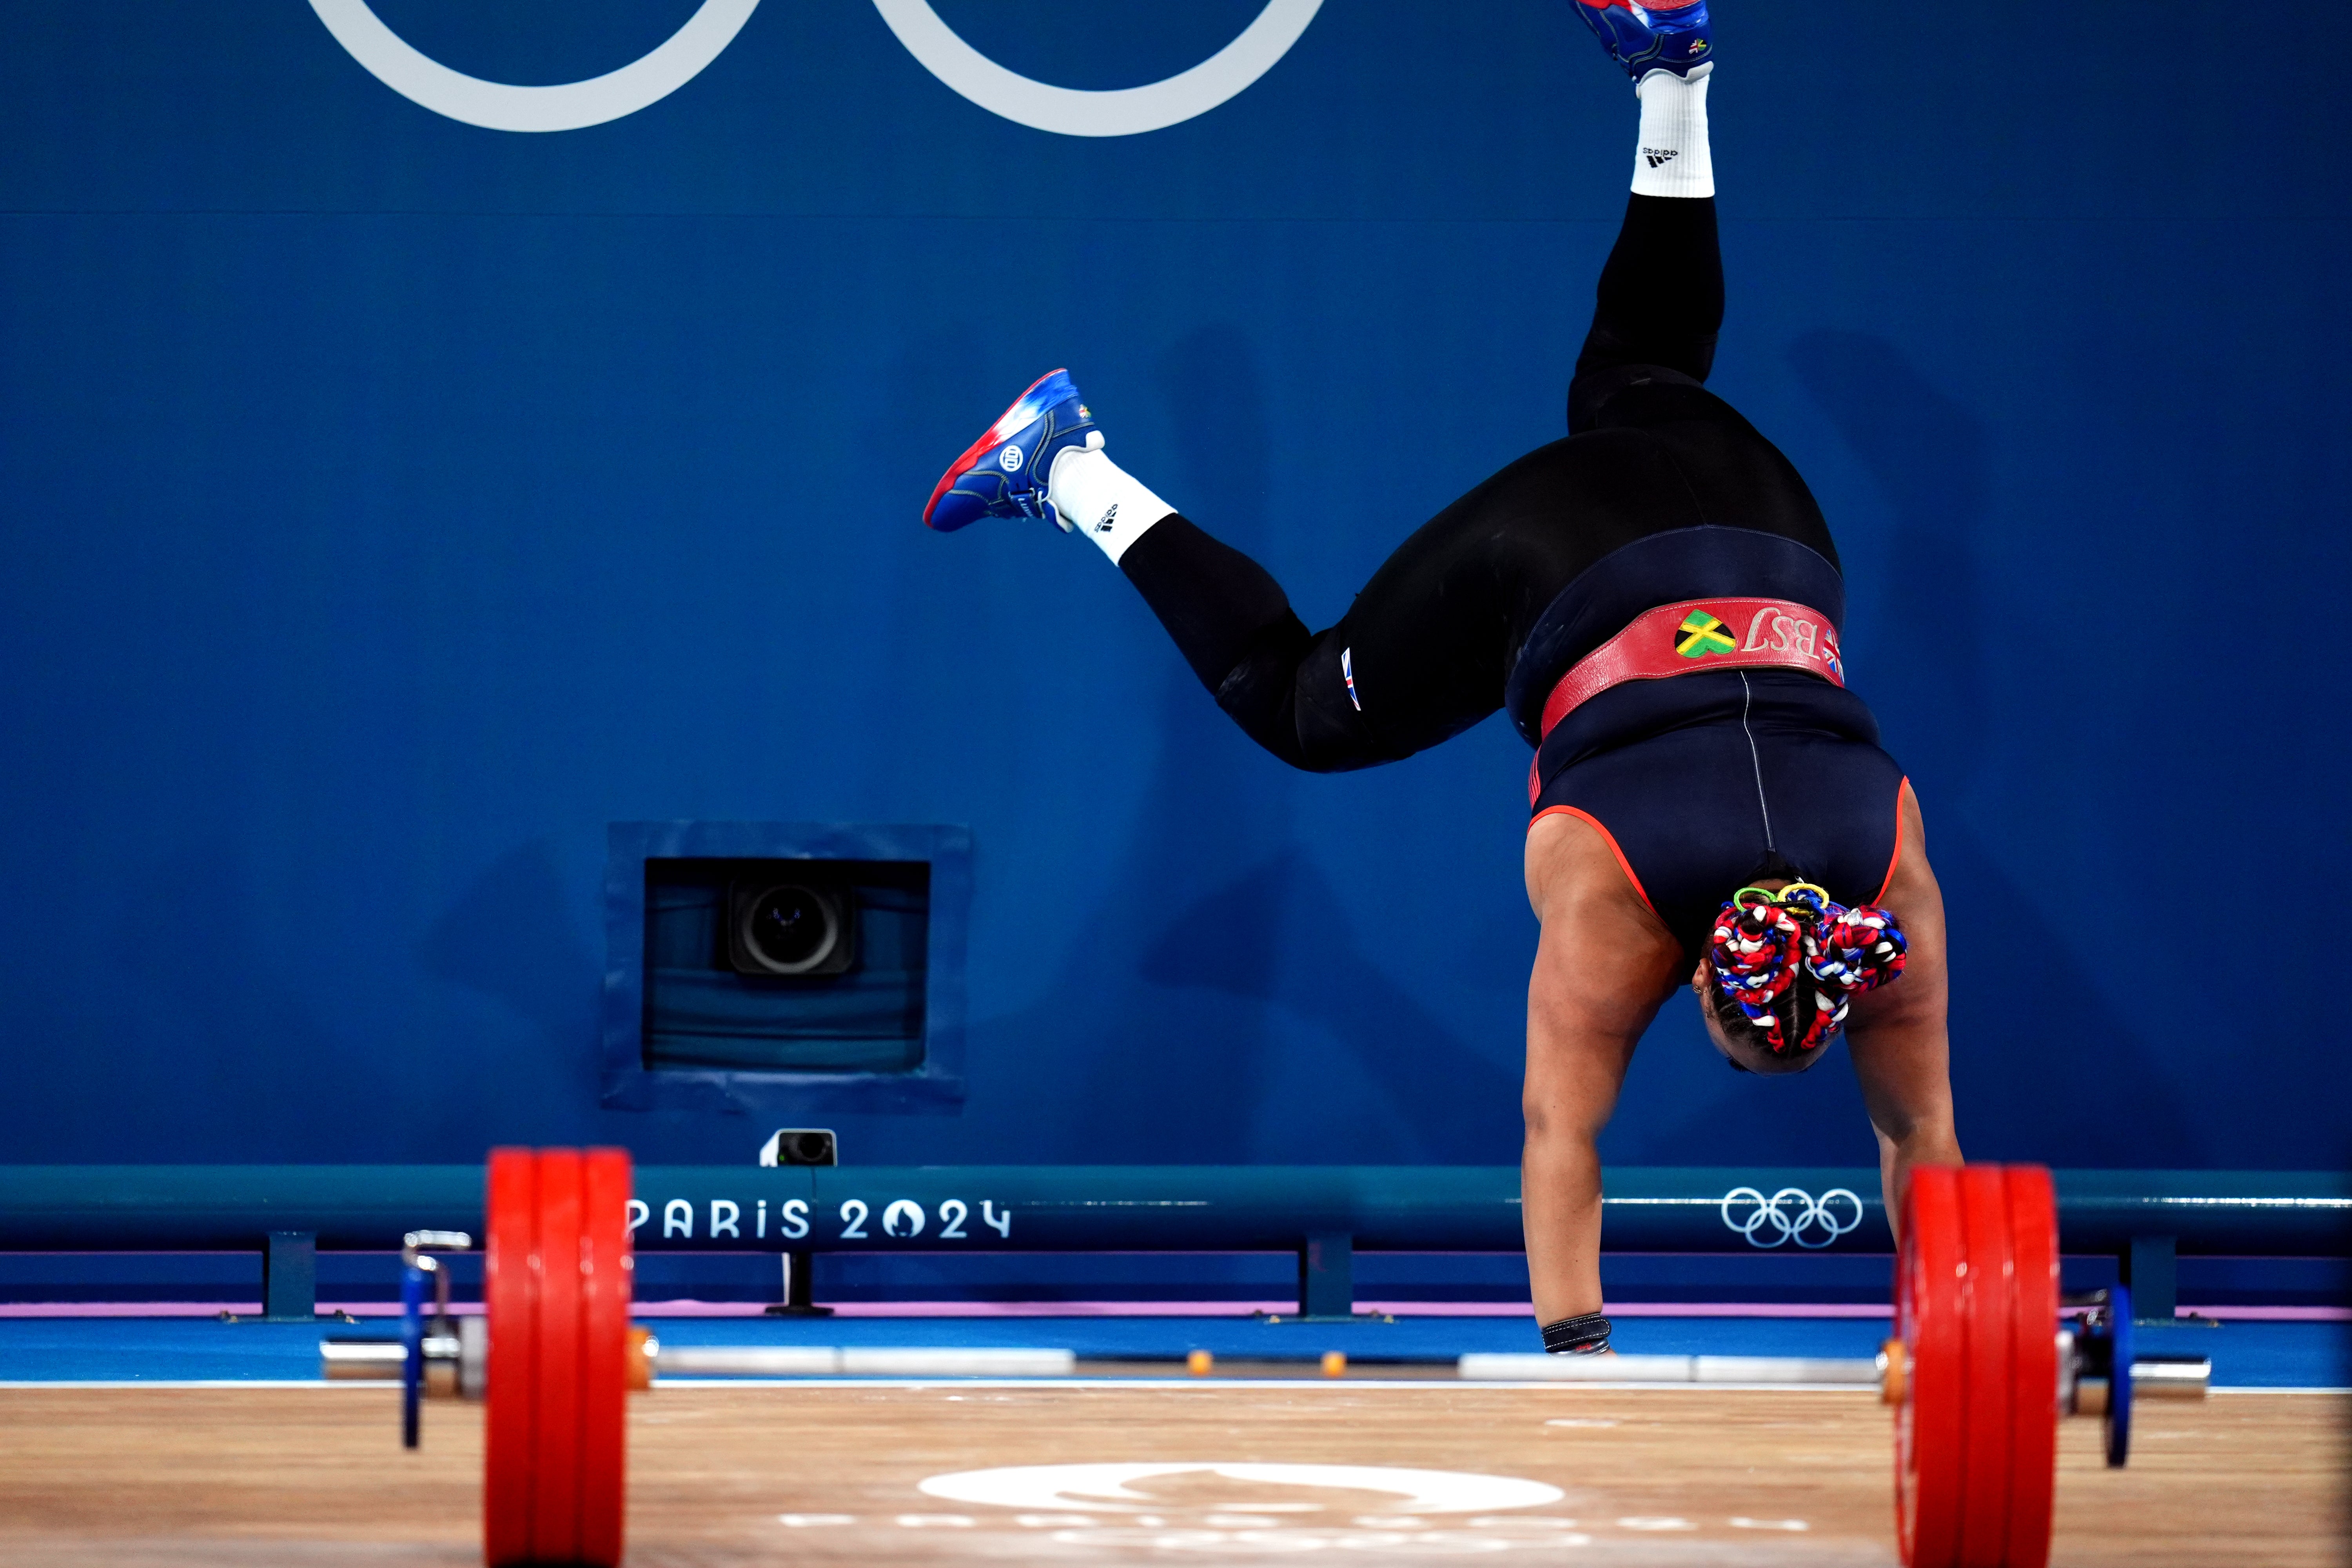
x,y
416,1248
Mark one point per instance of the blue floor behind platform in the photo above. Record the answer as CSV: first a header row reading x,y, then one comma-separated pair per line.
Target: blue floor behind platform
x,y
132,1350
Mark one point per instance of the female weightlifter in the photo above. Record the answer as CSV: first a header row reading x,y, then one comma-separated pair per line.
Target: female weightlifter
x,y
1656,601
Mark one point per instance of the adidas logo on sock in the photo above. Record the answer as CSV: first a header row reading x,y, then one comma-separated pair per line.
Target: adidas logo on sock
x,y
1104,526
1657,155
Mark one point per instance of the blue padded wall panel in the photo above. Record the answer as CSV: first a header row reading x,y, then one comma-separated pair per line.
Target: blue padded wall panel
x,y
389,504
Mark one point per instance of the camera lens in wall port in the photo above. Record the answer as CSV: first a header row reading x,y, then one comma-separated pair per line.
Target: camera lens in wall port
x,y
801,1146
812,1148
790,929
794,922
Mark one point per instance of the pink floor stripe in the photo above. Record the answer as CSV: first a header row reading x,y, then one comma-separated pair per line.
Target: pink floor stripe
x,y
200,1309
128,1308
1290,1308
691,1309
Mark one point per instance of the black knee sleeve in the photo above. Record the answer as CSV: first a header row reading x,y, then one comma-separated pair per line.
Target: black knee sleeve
x,y
1221,607
1236,627
1291,697
1591,392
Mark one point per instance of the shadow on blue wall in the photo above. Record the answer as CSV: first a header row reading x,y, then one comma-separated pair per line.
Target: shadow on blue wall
x,y
510,937
1397,1062
1266,1028
2027,1033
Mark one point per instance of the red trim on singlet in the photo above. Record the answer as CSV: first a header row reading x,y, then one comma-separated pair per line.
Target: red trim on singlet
x,y
1719,634
1896,858
1611,839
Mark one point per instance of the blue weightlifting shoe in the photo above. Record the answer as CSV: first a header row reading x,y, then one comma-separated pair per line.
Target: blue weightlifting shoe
x,y
1645,38
1004,473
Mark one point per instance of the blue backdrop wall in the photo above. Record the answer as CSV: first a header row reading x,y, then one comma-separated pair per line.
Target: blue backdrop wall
x,y
390,502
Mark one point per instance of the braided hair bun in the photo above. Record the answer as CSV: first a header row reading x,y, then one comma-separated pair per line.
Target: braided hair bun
x,y
1790,962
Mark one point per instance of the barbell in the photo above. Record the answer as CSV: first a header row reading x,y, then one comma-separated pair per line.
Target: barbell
x,y
1977,1372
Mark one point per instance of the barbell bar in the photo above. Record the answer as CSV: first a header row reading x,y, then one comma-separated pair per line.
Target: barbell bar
x,y
1977,1373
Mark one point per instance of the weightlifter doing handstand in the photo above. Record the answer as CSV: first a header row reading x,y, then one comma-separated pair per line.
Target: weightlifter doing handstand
x,y
1656,601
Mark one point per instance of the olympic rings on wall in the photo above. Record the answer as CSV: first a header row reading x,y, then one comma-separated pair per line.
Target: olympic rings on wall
x,y
1791,1213
570,106
1071,112
565,106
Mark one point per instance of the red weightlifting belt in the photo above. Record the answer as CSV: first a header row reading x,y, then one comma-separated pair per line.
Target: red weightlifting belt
x,y
1702,634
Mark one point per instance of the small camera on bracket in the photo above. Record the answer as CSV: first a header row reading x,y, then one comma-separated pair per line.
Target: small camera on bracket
x,y
801,1146
795,924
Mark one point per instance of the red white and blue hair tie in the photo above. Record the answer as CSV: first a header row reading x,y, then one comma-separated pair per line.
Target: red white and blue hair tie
x,y
1764,942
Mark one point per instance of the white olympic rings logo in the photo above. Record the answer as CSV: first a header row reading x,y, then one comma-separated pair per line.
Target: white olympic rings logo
x,y
680,58
1791,1213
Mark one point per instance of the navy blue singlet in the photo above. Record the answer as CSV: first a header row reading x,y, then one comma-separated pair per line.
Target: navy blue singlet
x,y
1706,781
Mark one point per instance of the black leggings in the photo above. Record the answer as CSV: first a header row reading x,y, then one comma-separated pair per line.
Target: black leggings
x,y
1427,648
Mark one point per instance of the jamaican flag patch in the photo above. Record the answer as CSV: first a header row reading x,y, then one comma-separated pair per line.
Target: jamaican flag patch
x,y
1700,634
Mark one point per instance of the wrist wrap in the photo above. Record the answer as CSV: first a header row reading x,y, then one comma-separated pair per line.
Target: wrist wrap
x,y
1587,1336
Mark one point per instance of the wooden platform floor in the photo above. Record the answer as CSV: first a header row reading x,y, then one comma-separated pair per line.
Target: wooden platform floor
x,y
132,1477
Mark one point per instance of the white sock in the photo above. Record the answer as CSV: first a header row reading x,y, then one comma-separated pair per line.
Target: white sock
x,y
1671,158
1102,500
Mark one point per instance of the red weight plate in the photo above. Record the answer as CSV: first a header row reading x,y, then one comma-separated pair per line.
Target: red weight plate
x,y
2033,1404
555,1490
510,1303
1930,1421
604,1278
1988,1317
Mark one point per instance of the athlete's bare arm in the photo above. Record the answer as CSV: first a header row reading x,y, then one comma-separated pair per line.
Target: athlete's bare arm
x,y
1603,967
1896,1034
